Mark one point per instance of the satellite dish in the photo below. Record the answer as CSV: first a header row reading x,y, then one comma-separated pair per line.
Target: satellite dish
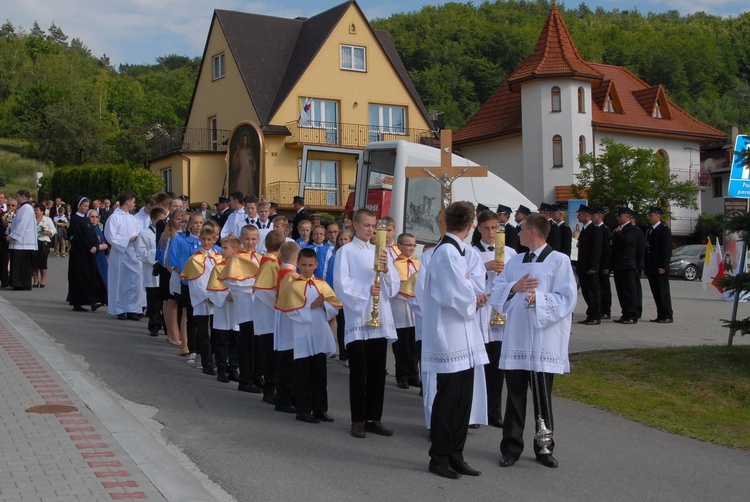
x,y
709,165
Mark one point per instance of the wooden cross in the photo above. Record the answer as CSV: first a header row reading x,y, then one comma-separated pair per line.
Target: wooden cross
x,y
446,174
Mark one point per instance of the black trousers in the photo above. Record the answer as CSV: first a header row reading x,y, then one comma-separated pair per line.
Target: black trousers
x,y
605,285
367,360
340,325
310,384
638,295
246,352
626,284
186,307
4,261
515,409
494,377
20,268
406,353
258,361
202,327
659,285
153,309
590,289
284,377
449,422
269,363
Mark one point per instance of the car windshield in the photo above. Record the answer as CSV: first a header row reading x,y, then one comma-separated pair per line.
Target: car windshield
x,y
689,250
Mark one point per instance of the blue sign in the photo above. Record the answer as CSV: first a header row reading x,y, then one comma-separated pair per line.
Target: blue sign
x,y
739,179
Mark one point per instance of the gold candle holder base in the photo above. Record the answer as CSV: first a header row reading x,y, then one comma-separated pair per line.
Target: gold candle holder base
x,y
497,320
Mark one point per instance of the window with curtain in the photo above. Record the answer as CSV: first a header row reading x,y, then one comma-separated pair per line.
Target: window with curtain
x,y
353,58
557,151
219,67
556,101
322,176
386,119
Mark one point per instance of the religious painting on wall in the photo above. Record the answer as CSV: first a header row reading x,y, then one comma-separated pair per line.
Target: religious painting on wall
x,y
245,160
422,207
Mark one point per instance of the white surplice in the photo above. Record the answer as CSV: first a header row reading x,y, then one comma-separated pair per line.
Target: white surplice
x,y
199,297
234,223
23,234
312,333
537,338
244,299
143,218
145,250
225,312
354,275
490,332
125,278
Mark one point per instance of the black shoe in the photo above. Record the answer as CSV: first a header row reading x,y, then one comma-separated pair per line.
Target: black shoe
x,y
547,460
307,418
269,398
133,317
210,370
95,307
153,333
222,377
358,430
444,471
285,408
78,308
473,426
252,389
122,317
466,469
624,320
606,316
402,384
233,376
378,428
508,460
415,382
323,416
666,320
590,322
495,422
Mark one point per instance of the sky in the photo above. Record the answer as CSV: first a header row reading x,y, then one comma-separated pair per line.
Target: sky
x,y
139,31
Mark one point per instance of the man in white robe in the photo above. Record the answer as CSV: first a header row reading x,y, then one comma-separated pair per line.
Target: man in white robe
x,y
22,239
236,219
354,279
452,343
537,293
145,250
125,277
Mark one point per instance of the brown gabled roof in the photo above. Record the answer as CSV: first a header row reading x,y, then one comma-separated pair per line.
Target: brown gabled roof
x,y
555,55
499,116
273,53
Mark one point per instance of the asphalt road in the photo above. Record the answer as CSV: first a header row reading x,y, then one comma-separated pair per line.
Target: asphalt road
x,y
255,453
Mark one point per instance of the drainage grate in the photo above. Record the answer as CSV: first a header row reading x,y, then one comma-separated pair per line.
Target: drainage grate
x,y
51,408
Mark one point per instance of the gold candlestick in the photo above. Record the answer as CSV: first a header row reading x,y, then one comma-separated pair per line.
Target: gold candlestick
x,y
497,319
374,322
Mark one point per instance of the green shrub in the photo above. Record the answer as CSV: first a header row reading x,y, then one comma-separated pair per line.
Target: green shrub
x,y
100,182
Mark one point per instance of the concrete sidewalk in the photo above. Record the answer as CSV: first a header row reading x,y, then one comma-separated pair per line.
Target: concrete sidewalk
x,y
96,450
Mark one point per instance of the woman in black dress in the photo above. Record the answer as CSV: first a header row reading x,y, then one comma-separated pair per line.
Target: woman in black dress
x,y
85,284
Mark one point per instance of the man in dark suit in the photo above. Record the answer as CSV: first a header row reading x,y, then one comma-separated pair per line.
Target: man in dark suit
x,y
605,284
566,234
476,237
222,211
206,211
521,213
656,266
273,214
301,215
553,239
587,268
511,234
105,211
626,264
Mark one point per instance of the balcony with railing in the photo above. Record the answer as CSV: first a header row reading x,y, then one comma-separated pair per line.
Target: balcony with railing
x,y
316,194
351,135
190,140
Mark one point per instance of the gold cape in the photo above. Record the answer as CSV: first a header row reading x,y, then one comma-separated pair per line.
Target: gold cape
x,y
408,282
241,267
196,265
214,281
292,293
268,274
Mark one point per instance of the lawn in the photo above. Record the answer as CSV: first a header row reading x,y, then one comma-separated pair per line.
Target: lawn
x,y
700,392
19,171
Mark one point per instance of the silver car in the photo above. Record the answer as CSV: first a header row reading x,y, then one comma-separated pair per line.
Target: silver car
x,y
687,262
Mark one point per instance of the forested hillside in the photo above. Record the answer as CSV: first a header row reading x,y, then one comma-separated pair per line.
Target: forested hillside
x,y
71,107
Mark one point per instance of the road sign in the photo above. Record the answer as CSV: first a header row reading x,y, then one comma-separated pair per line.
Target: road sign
x,y
739,178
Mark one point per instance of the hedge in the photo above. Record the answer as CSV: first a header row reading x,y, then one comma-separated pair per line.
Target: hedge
x,y
99,182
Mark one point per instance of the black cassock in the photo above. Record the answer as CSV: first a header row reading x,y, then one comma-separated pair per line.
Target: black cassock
x,y
85,283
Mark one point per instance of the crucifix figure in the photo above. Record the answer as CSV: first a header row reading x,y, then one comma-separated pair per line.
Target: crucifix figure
x,y
446,174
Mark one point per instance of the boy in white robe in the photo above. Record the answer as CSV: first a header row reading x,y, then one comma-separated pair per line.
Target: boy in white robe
x,y
404,273
145,250
236,219
452,343
487,226
310,303
367,347
537,294
225,322
125,277
283,334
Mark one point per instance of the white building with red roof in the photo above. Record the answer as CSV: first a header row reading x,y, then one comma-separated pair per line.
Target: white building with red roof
x,y
556,107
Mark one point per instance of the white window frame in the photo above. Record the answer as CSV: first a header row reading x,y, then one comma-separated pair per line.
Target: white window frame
x,y
214,131
384,123
166,179
351,49
609,104
219,66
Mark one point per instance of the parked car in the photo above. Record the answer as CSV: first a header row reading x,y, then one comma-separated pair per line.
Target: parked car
x,y
687,262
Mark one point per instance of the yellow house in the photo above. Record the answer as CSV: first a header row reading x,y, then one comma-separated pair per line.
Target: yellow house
x,y
278,101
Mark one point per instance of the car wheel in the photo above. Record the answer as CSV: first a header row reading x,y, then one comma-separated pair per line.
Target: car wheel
x,y
691,273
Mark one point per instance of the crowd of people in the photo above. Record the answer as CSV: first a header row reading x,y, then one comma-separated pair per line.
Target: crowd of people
x,y
252,298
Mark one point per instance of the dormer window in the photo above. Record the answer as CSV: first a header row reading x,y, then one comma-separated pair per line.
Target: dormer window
x,y
556,102
657,111
353,58
609,105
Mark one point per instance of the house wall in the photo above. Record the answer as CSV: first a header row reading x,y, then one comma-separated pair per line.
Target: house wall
x,y
503,158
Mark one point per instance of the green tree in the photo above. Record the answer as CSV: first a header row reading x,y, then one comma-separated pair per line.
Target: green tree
x,y
626,176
